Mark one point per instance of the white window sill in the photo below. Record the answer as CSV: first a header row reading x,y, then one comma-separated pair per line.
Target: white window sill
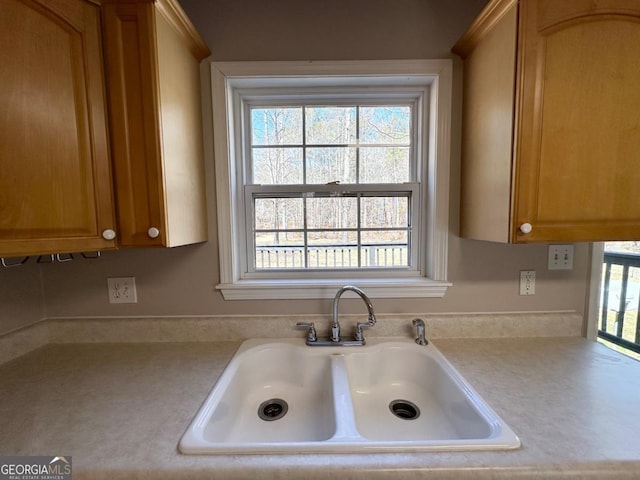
x,y
327,288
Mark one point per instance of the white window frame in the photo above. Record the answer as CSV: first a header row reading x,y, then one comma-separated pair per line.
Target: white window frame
x,y
229,79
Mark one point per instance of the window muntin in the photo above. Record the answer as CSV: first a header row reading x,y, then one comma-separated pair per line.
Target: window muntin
x,y
330,155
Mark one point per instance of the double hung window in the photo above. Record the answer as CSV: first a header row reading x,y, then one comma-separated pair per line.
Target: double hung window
x,y
331,187
324,178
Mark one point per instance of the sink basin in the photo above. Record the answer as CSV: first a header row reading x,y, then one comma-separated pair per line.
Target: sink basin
x,y
272,392
390,395
411,394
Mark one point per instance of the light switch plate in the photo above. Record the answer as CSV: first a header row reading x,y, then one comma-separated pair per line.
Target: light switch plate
x,y
560,257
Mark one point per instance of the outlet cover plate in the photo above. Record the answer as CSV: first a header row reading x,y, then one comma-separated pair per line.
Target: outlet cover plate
x,y
122,290
527,282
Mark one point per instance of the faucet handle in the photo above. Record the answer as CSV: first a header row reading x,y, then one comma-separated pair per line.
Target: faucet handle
x,y
359,336
311,330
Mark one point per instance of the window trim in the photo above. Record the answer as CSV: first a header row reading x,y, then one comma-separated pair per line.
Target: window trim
x,y
228,78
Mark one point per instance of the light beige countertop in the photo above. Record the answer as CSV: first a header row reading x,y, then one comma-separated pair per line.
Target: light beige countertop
x,y
120,409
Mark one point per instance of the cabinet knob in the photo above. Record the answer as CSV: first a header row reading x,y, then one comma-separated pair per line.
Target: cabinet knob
x,y
526,228
109,234
153,232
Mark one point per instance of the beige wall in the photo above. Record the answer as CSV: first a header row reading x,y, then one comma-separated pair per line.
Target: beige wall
x,y
21,298
181,281
330,29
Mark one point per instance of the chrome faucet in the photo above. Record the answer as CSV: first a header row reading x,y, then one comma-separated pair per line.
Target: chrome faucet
x,y
335,325
335,339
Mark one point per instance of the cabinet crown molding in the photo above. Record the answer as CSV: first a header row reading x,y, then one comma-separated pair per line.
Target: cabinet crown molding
x,y
177,18
482,25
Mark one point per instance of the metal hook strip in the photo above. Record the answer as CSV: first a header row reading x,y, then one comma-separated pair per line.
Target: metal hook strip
x,y
9,265
64,257
59,257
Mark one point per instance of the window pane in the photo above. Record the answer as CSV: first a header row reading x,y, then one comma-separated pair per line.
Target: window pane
x,y
278,214
386,237
279,250
277,166
330,125
279,239
385,249
384,212
333,249
384,125
333,164
332,212
384,165
276,126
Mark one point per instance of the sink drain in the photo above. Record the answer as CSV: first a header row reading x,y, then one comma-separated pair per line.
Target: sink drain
x,y
273,409
404,409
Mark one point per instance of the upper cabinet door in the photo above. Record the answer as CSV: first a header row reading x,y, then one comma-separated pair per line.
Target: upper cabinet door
x,y
153,57
55,180
551,135
579,120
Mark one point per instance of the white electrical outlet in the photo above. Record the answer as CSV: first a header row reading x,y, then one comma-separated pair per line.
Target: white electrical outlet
x,y
122,290
527,282
560,257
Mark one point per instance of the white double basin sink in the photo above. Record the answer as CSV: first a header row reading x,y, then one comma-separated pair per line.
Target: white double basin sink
x,y
389,395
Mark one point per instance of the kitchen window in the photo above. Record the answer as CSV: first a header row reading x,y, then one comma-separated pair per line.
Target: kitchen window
x,y
331,187
331,173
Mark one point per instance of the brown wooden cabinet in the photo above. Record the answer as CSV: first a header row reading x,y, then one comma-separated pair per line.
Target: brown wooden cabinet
x,y
551,121
55,177
153,59
100,128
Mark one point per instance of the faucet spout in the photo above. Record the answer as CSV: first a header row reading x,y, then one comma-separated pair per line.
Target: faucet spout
x,y
335,324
